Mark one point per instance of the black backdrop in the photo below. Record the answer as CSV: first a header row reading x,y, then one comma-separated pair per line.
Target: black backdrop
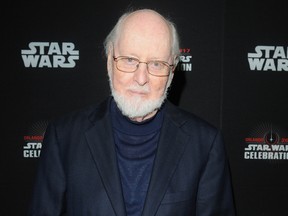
x,y
218,80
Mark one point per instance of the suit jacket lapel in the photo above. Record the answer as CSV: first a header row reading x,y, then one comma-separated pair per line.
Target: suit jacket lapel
x,y
170,149
101,142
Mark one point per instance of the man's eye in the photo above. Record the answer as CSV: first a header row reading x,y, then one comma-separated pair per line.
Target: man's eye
x,y
157,65
131,61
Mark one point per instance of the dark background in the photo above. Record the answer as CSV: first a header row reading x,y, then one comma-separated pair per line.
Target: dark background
x,y
221,88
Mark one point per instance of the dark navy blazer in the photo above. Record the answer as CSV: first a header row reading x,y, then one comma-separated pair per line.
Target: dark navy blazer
x,y
78,173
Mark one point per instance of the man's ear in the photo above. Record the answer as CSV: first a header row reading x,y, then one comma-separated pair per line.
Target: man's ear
x,y
176,62
109,61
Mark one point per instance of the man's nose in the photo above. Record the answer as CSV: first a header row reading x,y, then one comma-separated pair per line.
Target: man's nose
x,y
141,75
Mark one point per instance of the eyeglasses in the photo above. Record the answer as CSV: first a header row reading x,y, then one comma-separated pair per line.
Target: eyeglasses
x,y
130,65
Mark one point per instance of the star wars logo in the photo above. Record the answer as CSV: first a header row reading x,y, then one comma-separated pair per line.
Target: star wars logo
x,y
50,55
266,144
269,58
33,139
185,63
32,147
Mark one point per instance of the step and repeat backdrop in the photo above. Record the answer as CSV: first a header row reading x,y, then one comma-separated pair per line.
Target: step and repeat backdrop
x,y
255,104
233,72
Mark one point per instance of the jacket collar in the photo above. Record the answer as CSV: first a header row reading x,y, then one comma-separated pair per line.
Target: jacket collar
x,y
170,150
101,143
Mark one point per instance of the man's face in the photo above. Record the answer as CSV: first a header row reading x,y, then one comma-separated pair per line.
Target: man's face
x,y
140,93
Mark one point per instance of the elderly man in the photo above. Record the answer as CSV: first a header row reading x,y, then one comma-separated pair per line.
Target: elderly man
x,y
135,153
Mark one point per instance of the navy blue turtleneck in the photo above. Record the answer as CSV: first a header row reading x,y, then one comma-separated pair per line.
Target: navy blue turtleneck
x,y
136,144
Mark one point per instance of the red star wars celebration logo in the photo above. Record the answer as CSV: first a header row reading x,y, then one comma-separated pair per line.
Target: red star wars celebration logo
x,y
266,142
185,60
33,139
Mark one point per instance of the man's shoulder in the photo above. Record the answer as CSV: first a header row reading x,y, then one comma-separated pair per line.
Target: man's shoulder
x,y
188,120
83,115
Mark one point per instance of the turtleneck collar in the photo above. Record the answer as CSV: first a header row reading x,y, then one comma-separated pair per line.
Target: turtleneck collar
x,y
127,126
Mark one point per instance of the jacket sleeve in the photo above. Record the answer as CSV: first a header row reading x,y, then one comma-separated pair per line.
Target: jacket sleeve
x,y
215,196
49,187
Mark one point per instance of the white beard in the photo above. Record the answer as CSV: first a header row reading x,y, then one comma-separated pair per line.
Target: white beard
x,y
136,106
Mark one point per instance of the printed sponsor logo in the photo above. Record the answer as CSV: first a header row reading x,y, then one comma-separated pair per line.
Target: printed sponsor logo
x,y
50,55
269,58
267,142
33,139
185,63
